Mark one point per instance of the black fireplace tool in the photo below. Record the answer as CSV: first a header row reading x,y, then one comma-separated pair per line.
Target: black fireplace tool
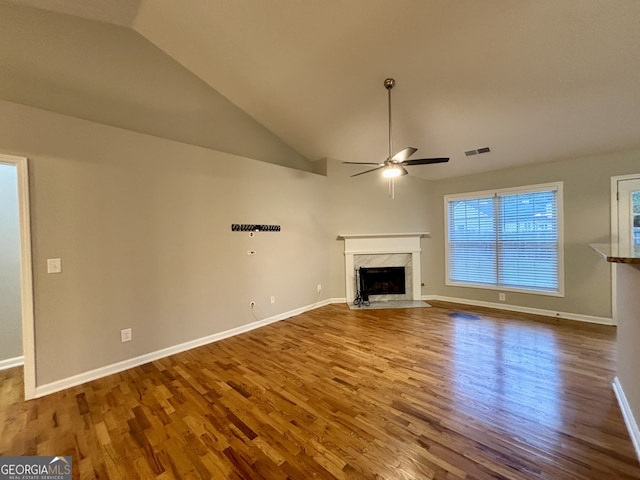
x,y
361,296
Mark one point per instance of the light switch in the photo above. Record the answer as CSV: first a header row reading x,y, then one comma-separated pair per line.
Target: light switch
x,y
54,265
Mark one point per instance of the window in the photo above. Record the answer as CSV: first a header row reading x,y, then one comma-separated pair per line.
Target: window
x,y
507,239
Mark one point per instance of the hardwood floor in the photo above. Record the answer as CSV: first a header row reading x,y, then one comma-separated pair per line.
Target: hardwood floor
x,y
446,392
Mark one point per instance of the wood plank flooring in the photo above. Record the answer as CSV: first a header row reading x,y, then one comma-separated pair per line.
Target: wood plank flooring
x,y
447,392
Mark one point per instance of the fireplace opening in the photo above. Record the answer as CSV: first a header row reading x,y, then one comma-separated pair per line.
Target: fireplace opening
x,y
382,280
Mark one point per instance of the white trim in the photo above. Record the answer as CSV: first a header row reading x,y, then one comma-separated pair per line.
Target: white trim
x,y
384,251
539,187
502,288
614,237
517,308
627,414
382,235
26,275
101,372
382,244
614,202
11,362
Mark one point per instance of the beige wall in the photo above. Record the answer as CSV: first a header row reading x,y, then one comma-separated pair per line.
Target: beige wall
x,y
113,75
587,219
362,205
143,227
10,313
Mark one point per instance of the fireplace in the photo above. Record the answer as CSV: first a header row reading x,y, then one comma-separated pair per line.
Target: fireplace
x,y
382,280
384,250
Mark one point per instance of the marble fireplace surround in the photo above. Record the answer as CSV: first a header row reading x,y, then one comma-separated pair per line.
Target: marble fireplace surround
x,y
384,249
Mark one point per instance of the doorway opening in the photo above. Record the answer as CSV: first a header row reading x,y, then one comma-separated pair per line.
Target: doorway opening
x,y
17,173
625,221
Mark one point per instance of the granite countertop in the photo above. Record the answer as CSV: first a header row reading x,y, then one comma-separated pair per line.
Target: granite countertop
x,y
615,254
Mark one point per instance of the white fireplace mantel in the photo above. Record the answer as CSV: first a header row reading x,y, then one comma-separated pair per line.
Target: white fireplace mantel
x,y
379,244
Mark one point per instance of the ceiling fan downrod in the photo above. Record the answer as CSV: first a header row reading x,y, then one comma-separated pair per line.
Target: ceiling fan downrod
x,y
394,165
389,83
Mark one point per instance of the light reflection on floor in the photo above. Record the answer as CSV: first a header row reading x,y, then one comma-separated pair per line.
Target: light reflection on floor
x,y
509,368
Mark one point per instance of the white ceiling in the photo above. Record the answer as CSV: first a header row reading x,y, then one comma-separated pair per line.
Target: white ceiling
x,y
535,80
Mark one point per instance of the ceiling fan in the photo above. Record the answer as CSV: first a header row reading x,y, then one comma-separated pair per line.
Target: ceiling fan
x,y
394,165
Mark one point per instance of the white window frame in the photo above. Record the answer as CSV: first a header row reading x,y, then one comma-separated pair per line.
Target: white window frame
x,y
558,186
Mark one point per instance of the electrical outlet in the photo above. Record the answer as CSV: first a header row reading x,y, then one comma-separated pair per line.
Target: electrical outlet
x,y
273,299
319,288
126,335
252,304
502,297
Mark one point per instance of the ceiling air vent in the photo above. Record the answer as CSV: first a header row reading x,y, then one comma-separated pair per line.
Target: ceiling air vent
x,y
478,151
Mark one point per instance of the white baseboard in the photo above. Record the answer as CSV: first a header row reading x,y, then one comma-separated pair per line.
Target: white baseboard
x,y
97,373
627,414
11,362
101,372
517,308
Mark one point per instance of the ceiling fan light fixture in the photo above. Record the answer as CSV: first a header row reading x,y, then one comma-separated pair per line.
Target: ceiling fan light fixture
x,y
393,166
392,171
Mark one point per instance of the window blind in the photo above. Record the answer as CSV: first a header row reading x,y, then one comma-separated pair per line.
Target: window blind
x,y
505,239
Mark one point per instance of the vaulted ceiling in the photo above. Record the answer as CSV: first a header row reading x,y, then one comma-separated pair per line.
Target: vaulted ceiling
x,y
534,80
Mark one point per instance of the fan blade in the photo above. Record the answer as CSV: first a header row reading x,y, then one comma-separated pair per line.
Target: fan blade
x,y
404,172
361,163
424,161
403,155
367,171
